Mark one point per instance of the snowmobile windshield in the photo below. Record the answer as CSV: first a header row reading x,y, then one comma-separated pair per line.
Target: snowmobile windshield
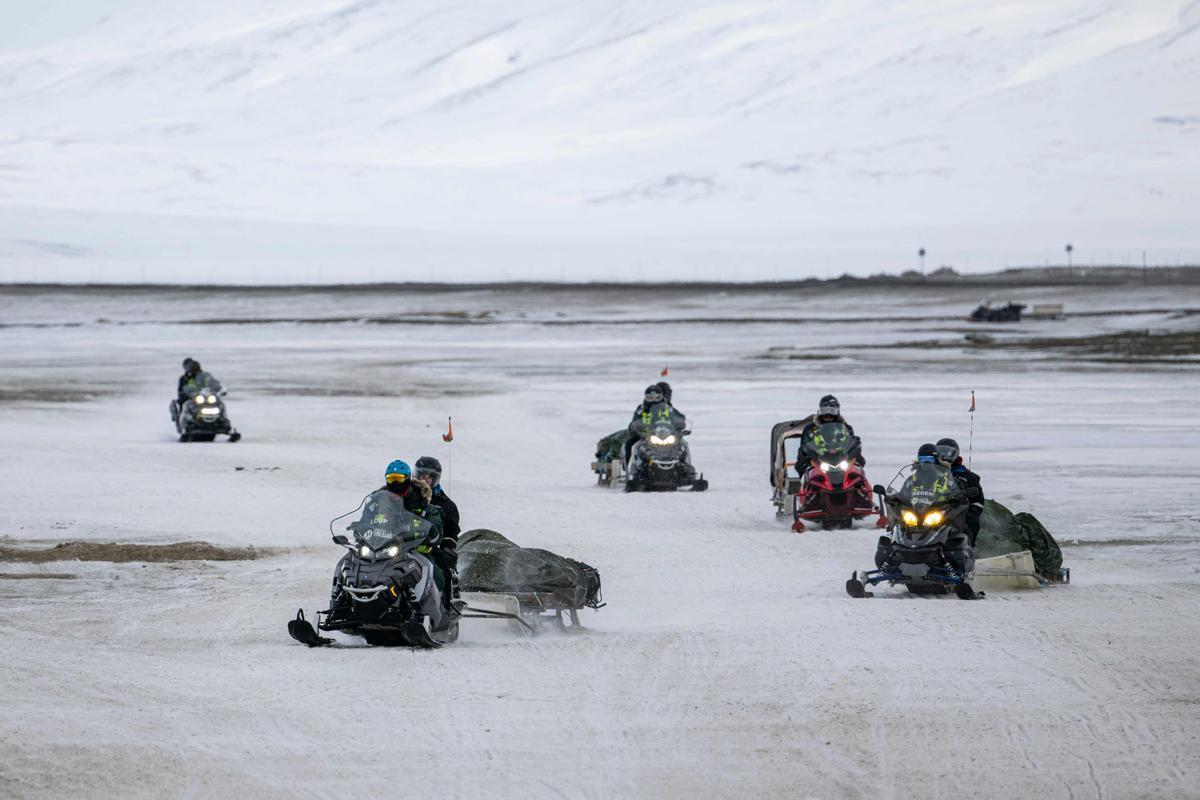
x,y
386,521
929,485
203,382
831,438
660,417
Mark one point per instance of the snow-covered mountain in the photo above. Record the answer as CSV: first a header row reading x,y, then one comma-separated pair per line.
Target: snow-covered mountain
x,y
296,140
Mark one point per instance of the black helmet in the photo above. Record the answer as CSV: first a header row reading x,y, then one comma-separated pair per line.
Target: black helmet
x,y
829,406
947,450
666,390
191,365
187,363
927,453
654,394
428,465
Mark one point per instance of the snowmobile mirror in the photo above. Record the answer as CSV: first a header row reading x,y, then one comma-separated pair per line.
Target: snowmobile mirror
x,y
878,489
339,539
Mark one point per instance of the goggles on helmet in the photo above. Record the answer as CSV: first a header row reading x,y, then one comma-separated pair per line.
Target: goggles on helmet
x,y
396,477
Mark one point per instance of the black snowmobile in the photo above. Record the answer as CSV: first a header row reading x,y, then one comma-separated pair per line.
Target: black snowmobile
x,y
928,547
202,416
1007,313
660,460
384,588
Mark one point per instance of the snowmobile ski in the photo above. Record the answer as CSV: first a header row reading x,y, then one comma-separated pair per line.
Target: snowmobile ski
x,y
964,591
303,632
415,635
856,588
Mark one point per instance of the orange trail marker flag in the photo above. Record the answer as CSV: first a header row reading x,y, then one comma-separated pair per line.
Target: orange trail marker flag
x,y
664,372
448,436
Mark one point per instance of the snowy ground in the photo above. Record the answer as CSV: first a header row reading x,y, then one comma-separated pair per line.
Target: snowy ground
x,y
729,661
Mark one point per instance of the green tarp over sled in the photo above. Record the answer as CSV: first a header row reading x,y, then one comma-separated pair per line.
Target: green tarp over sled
x,y
488,562
1002,532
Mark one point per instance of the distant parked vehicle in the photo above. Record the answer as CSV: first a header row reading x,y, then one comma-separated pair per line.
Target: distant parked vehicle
x,y
1007,313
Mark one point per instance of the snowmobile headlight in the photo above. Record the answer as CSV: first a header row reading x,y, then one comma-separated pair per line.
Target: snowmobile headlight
x,y
933,518
843,464
668,439
212,398
364,551
910,519
825,465
393,551
210,411
200,399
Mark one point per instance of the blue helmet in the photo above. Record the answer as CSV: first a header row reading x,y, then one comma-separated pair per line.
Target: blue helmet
x,y
397,472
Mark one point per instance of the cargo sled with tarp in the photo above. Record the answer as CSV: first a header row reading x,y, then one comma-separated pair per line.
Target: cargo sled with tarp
x,y
1016,551
609,465
537,586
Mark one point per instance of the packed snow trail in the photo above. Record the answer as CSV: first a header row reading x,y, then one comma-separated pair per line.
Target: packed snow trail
x,y
728,660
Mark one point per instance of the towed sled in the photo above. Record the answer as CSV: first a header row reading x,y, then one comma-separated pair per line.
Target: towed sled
x,y
609,465
536,588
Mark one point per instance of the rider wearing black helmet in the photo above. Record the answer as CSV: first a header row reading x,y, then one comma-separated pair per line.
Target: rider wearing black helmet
x,y
429,472
650,398
665,388
655,393
948,455
191,368
828,410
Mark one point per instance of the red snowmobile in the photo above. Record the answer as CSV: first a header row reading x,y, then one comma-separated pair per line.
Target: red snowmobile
x,y
829,487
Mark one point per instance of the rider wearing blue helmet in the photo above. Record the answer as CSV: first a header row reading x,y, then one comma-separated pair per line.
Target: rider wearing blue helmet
x,y
418,499
398,477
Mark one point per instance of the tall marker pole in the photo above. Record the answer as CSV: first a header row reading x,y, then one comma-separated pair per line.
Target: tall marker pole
x,y
971,436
